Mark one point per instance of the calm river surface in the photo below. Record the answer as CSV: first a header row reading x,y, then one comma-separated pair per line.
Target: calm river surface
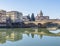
x,y
29,37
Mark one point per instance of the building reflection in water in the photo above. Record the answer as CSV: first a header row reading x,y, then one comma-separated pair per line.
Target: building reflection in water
x,y
14,36
17,34
2,37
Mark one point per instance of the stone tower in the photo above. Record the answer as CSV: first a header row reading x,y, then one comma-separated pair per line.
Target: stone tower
x,y
41,13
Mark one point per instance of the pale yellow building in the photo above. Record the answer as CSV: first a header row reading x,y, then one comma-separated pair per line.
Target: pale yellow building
x,y
15,16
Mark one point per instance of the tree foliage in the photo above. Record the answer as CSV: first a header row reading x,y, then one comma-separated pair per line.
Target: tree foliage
x,y
29,17
32,17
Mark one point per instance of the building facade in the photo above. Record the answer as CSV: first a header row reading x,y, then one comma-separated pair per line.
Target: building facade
x,y
41,17
15,16
25,18
2,16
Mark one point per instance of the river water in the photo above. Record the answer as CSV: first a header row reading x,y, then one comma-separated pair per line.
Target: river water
x,y
29,37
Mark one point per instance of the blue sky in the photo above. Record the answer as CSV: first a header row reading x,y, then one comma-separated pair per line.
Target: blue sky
x,y
49,7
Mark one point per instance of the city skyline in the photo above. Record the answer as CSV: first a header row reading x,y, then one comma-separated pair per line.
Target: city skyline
x,y
49,7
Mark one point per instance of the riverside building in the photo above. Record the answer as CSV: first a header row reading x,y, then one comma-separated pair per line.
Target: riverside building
x,y
15,16
2,16
41,17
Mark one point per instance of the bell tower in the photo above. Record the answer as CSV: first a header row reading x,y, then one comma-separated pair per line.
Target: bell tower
x,y
41,13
